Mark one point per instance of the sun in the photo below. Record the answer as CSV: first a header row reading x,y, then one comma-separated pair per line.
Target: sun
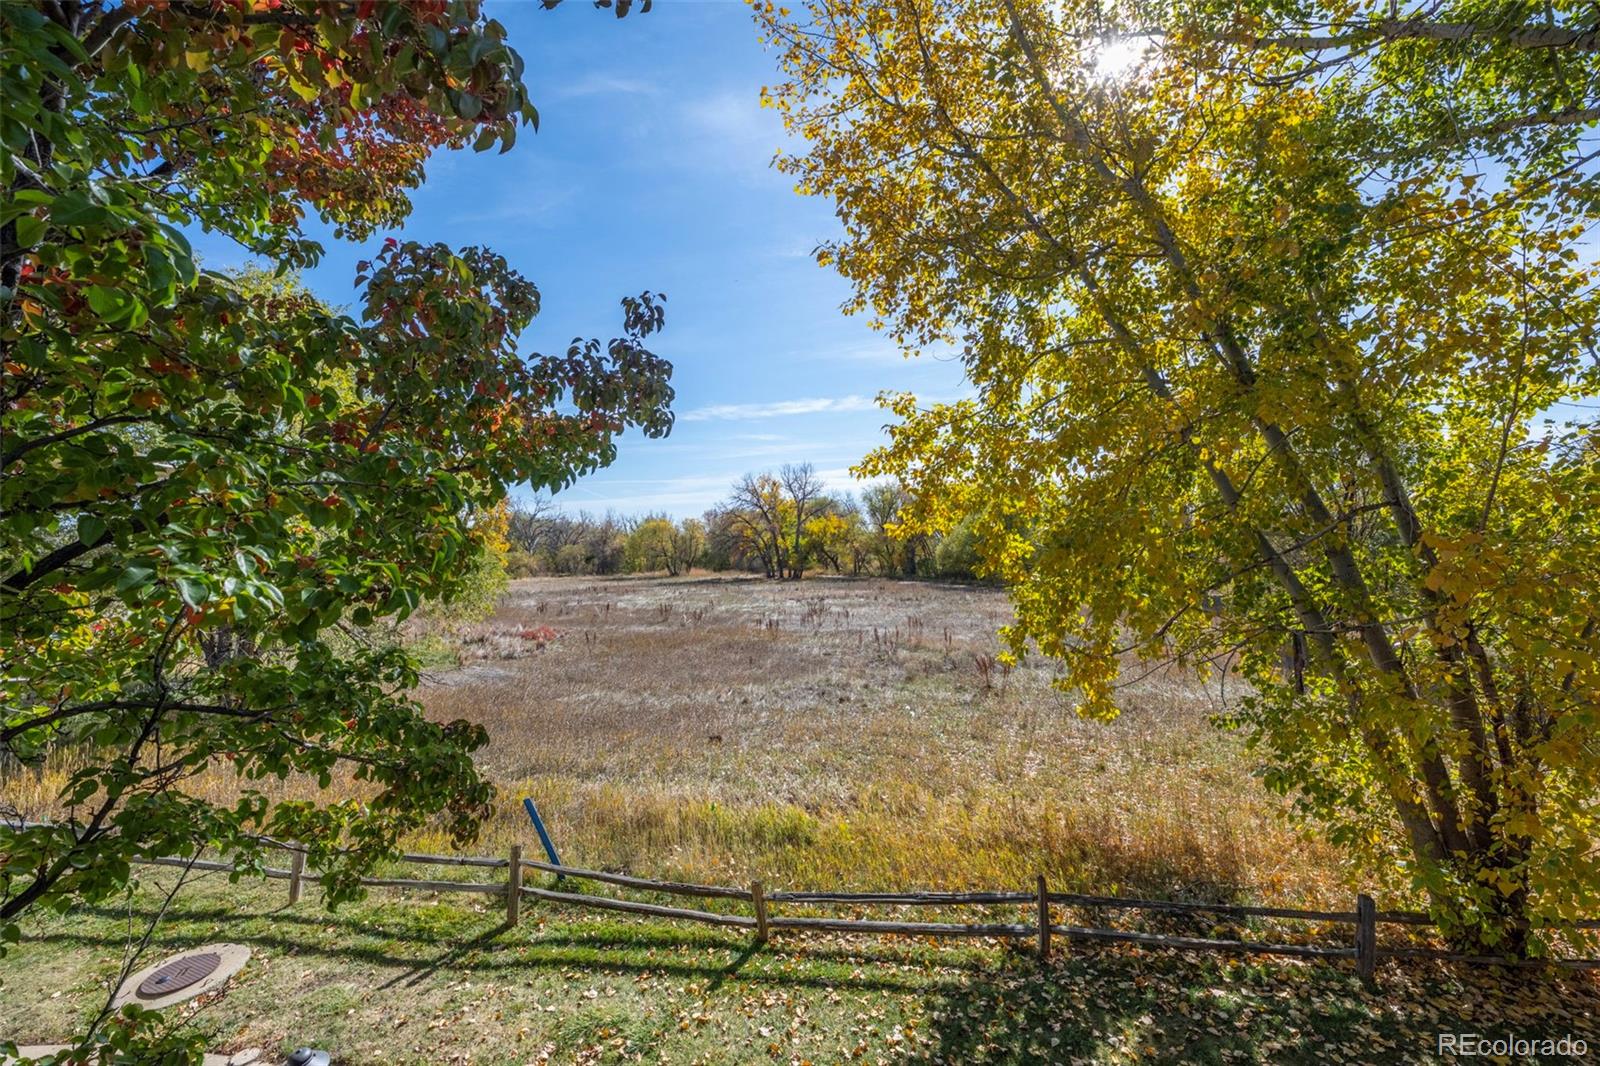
x,y
1118,58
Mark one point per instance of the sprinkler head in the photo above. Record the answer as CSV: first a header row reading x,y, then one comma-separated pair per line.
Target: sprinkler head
x,y
308,1056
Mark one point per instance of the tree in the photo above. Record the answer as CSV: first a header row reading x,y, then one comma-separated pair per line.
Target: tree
x,y
1262,321
839,537
770,517
956,554
895,545
533,526
758,513
203,477
657,543
686,546
804,488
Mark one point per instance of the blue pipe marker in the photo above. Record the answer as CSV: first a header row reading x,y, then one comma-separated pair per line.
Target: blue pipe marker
x,y
538,827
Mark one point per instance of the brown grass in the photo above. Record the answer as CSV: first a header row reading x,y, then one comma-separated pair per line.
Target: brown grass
x,y
845,734
854,734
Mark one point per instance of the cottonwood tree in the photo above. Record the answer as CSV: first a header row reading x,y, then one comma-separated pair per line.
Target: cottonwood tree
x,y
804,489
895,546
686,546
758,513
1270,317
770,518
203,480
659,543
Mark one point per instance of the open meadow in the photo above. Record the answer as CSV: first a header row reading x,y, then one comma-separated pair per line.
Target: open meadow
x,y
842,733
834,734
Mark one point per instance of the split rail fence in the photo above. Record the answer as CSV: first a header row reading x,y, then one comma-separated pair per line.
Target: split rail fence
x,y
1363,948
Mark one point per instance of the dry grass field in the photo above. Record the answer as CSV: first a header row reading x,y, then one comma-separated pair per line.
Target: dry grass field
x,y
851,733
836,733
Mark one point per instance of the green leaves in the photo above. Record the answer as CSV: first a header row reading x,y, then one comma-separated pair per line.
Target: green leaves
x,y
134,578
29,230
90,530
193,590
209,478
74,209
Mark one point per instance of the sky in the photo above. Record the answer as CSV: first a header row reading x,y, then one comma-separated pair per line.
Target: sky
x,y
651,170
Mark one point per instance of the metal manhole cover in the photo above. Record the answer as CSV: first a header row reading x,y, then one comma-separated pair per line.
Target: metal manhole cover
x,y
179,973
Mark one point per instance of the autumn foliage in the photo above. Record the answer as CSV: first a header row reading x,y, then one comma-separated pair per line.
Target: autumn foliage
x,y
213,483
1274,322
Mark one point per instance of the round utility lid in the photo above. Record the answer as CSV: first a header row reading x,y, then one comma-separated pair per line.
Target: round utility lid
x,y
183,976
179,973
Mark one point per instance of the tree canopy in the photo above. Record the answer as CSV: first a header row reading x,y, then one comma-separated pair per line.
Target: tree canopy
x,y
212,484
1270,314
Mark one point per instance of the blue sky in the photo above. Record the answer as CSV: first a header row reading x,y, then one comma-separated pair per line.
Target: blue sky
x,y
651,170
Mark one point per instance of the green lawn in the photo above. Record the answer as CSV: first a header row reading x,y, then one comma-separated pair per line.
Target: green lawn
x,y
401,979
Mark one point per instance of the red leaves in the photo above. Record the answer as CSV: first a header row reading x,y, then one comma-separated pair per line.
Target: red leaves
x,y
162,365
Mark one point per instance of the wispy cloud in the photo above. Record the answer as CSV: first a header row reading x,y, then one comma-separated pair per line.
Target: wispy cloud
x,y
677,496
738,412
797,247
600,84
535,191
681,496
523,210
879,351
730,130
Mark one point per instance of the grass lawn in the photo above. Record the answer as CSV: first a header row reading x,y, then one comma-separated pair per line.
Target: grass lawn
x,y
421,979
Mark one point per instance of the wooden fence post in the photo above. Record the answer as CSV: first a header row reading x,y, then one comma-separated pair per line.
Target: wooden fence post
x,y
297,872
1044,919
514,886
759,898
1366,940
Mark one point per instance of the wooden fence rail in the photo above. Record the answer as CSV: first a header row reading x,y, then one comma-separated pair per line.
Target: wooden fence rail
x,y
1365,949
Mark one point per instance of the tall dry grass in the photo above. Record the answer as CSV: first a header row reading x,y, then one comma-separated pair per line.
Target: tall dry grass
x,y
835,734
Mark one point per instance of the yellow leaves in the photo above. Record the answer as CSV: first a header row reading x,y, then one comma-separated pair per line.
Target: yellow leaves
x,y
1502,881
1282,246
1005,225
1523,823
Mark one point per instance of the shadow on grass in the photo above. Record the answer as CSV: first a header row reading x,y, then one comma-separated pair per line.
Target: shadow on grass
x,y
610,949
1114,1004
975,1003
452,957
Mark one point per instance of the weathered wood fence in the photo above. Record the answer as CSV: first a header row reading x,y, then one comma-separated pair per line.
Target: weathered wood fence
x,y
1041,904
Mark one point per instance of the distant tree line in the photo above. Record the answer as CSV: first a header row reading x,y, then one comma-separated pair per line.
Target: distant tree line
x,y
781,524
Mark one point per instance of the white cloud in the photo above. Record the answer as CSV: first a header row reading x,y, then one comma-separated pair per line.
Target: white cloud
x,y
729,412
691,494
607,85
878,351
799,247
731,131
